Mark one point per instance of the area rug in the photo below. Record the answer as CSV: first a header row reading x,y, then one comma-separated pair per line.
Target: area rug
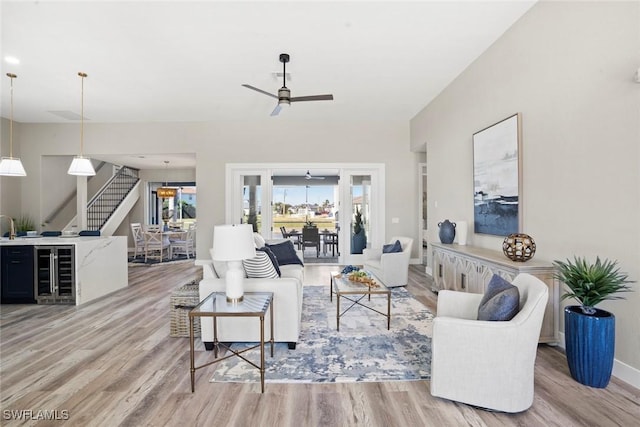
x,y
363,349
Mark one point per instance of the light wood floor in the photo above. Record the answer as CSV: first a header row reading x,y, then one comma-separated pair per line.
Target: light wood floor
x,y
112,362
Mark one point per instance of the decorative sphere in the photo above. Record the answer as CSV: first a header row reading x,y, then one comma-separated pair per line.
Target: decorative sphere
x,y
519,247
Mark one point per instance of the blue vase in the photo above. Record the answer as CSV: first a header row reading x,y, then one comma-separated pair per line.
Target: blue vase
x,y
447,231
590,345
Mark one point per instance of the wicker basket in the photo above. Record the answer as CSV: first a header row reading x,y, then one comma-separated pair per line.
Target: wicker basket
x,y
182,301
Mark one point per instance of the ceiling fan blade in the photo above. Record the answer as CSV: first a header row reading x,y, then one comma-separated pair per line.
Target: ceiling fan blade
x,y
276,110
309,176
312,98
260,90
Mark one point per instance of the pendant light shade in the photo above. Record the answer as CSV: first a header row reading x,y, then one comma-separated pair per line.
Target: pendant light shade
x,y
166,192
81,166
11,166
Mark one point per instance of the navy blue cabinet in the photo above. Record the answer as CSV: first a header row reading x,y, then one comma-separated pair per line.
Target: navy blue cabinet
x,y
17,277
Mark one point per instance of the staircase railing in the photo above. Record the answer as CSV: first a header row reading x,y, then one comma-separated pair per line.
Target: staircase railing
x,y
72,196
106,201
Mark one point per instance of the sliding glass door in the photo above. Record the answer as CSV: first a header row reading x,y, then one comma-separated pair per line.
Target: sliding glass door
x,y
357,213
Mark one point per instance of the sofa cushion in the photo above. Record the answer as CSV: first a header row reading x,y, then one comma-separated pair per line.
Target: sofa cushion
x,y
258,240
292,271
260,267
272,257
285,253
392,247
500,302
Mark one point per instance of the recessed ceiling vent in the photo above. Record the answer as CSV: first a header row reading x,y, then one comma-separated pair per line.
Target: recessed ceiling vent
x,y
66,114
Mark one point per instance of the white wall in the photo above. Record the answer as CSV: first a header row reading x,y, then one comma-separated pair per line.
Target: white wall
x,y
568,68
215,144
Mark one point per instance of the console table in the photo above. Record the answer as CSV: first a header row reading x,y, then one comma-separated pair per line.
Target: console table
x,y
469,269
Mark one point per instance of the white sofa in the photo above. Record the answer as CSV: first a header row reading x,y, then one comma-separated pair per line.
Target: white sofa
x,y
287,305
483,363
391,268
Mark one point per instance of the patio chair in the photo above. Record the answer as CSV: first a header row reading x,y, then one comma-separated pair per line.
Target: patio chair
x,y
330,241
311,239
295,238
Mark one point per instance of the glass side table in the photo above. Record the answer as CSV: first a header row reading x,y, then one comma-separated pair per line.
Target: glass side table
x,y
254,304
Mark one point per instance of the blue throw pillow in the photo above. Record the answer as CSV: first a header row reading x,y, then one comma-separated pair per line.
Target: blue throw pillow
x,y
500,302
392,247
273,259
285,253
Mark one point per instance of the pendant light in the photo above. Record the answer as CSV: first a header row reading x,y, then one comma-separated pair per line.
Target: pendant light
x,y
81,165
166,192
11,166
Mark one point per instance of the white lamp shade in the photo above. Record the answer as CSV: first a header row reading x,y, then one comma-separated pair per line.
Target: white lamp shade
x,y
233,242
81,166
11,166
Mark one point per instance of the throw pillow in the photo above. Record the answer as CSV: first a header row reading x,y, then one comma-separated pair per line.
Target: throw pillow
x,y
285,253
273,259
500,302
392,247
259,267
258,240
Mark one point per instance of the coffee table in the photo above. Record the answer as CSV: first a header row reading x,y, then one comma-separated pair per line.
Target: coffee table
x,y
254,304
355,292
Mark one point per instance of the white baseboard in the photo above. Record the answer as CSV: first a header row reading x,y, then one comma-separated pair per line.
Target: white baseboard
x,y
621,370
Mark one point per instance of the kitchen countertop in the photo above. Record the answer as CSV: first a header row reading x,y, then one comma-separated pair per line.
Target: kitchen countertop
x,y
39,240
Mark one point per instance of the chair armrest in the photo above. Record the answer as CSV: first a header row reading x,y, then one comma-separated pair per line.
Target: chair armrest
x,y
372,253
394,260
461,305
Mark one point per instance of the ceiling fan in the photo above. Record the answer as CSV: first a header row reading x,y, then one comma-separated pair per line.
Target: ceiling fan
x,y
284,94
309,176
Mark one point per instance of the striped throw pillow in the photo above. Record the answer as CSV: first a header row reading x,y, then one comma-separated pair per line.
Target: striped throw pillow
x,y
260,267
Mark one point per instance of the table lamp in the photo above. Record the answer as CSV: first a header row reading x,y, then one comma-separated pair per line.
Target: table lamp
x,y
233,243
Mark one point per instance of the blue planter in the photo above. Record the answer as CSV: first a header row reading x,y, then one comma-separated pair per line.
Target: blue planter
x,y
590,345
358,242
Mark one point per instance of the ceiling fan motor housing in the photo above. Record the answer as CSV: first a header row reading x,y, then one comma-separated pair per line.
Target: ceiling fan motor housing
x,y
284,96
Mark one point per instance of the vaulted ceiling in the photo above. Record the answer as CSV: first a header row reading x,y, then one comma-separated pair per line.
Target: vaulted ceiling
x,y
158,61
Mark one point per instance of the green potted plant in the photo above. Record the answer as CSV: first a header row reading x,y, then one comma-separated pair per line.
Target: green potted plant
x,y
24,223
589,331
359,238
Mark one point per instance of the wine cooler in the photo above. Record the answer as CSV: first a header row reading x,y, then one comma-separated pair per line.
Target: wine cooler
x,y
54,271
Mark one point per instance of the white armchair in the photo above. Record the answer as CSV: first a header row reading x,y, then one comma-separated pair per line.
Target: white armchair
x,y
391,268
483,363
